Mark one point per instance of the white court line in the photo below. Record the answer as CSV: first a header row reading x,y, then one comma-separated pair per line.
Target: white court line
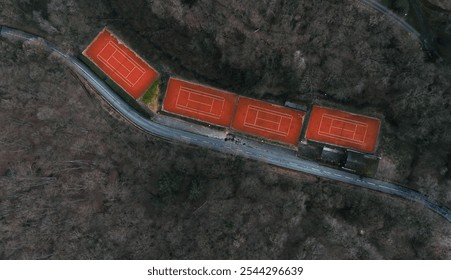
x,y
209,104
281,116
112,57
202,93
345,121
266,120
107,64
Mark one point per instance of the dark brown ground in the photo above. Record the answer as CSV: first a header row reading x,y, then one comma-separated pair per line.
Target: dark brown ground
x,y
77,183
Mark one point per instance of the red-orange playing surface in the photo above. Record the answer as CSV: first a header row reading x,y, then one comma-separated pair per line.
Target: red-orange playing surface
x,y
199,102
268,120
343,129
121,64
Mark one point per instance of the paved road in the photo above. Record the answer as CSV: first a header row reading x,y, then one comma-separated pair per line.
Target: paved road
x,y
425,39
397,19
189,126
242,147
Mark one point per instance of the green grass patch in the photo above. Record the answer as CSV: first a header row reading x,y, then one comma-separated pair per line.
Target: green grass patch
x,y
152,93
125,96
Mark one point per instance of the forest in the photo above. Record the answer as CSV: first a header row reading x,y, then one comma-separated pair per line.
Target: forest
x,y
77,182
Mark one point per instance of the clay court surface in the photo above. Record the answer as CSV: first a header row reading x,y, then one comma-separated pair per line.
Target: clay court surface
x,y
199,102
268,120
343,129
121,64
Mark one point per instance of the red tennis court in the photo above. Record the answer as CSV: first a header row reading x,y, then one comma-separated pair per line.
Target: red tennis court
x,y
199,102
120,63
343,129
268,120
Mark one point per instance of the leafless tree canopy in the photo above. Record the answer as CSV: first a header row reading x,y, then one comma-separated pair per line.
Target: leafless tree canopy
x,y
76,182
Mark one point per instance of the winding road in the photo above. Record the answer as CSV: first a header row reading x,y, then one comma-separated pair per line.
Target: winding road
x,y
425,39
242,147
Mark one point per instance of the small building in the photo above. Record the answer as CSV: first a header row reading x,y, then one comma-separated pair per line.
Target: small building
x,y
333,156
360,163
308,151
300,107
